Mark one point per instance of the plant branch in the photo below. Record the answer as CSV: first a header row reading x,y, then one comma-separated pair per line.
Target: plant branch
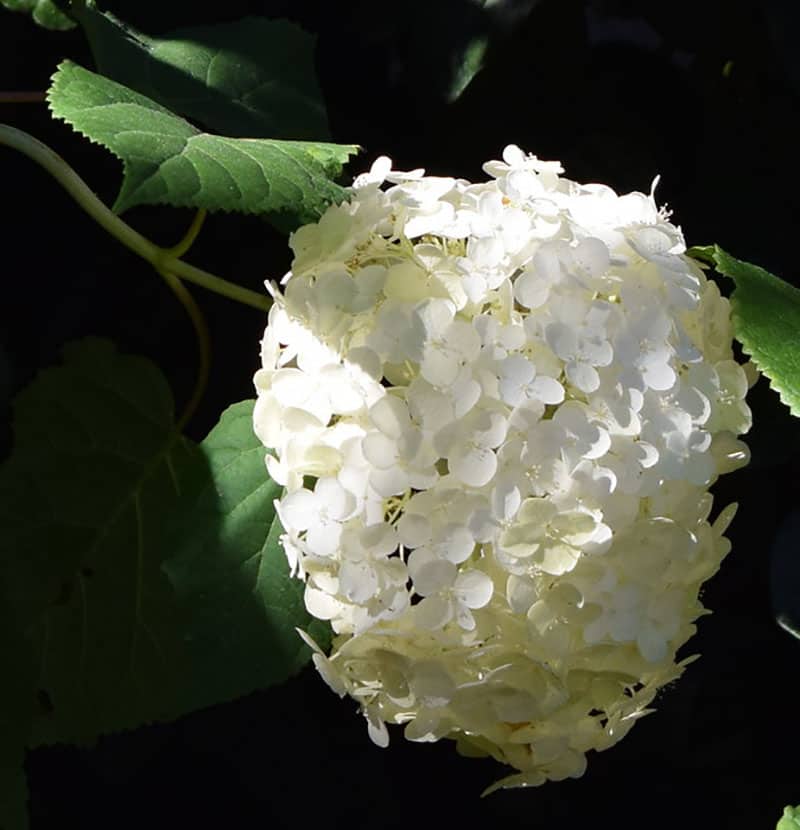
x,y
159,258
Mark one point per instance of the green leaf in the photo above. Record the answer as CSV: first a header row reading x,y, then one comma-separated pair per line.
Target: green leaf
x,y
440,59
231,572
469,63
13,791
16,711
766,320
44,12
145,572
93,478
254,77
790,819
167,161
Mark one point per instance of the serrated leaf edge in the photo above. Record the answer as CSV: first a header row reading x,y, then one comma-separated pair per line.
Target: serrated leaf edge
x,y
762,364
57,80
712,254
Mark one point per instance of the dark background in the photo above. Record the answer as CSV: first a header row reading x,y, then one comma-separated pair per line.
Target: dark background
x,y
706,93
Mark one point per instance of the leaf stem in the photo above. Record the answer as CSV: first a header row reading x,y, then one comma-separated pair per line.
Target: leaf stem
x,y
189,237
195,315
203,346
160,258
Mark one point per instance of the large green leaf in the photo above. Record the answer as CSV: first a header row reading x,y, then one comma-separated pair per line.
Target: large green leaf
x,y
13,790
147,571
141,576
94,476
254,77
16,709
44,12
168,161
230,570
766,319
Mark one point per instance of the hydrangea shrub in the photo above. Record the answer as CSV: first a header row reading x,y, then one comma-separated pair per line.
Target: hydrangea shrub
x,y
497,409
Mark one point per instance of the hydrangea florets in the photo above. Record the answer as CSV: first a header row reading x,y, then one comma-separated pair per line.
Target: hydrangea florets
x,y
497,410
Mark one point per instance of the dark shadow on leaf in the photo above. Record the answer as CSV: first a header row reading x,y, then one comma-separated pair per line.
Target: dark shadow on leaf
x,y
142,577
253,78
231,574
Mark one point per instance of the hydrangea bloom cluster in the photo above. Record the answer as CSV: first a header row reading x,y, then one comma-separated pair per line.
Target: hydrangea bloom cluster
x,y
497,409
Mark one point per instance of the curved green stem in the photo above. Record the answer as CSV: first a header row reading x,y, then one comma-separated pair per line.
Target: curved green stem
x,y
159,258
195,315
203,345
189,237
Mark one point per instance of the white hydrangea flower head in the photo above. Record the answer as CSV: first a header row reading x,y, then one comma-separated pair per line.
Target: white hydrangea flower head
x,y
497,410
